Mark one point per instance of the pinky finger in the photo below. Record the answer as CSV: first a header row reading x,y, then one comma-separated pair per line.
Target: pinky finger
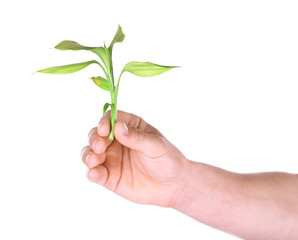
x,y
98,175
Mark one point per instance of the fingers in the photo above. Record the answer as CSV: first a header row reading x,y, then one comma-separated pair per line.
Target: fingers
x,y
92,159
104,128
98,175
94,154
98,143
152,145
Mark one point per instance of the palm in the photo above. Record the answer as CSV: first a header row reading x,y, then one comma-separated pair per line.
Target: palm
x,y
135,176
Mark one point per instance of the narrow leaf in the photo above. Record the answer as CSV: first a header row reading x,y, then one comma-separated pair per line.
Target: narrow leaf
x,y
105,108
101,82
101,52
72,45
145,69
119,37
71,68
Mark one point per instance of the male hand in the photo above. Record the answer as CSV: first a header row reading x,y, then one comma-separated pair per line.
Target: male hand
x,y
140,165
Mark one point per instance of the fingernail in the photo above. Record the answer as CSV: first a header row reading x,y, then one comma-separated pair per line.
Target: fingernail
x,y
87,159
82,152
124,129
94,144
99,125
87,172
89,134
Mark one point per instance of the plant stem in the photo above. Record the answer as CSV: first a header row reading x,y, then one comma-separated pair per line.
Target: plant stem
x,y
114,97
113,114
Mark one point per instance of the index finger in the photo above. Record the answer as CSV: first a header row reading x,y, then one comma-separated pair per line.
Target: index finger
x,y
104,127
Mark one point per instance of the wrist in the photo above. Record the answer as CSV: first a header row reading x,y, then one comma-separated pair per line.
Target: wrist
x,y
208,194
182,191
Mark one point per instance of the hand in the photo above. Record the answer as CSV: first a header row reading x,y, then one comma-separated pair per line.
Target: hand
x,y
140,165
143,166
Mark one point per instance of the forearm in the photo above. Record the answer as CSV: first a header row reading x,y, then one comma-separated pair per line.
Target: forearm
x,y
252,206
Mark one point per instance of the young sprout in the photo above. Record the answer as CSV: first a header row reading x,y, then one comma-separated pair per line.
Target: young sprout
x,y
141,69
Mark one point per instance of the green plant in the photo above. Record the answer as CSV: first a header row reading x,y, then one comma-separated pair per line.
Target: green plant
x,y
141,69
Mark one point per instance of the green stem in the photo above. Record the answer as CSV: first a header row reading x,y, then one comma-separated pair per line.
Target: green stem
x,y
113,114
114,97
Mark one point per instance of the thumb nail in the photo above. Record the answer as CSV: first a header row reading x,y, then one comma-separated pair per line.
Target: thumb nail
x,y
124,129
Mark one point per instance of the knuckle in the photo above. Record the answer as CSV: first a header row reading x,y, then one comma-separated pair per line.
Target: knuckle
x,y
140,137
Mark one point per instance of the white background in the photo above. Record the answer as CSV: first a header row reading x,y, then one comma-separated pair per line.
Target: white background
x,y
232,104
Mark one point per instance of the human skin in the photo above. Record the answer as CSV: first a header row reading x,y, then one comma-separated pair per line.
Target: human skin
x,y
142,166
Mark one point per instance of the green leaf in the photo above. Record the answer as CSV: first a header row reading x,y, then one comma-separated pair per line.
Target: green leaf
x,y
101,82
105,108
101,52
71,68
72,45
145,69
119,37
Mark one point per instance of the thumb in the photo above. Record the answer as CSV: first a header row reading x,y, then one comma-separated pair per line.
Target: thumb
x,y
150,144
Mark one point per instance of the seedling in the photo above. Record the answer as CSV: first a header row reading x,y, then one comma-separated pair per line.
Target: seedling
x,y
141,69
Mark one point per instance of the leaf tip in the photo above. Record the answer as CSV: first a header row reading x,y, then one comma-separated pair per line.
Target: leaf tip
x,y
41,71
95,80
58,46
